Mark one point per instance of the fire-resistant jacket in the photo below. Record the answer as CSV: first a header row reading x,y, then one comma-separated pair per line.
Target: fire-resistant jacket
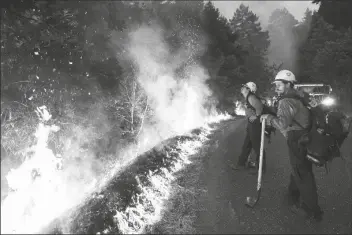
x,y
291,115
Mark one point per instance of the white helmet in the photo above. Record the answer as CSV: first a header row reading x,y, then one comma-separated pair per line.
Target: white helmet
x,y
251,86
285,75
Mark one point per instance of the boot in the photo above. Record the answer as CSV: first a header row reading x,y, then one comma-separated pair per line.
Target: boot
x,y
252,164
308,215
238,167
296,209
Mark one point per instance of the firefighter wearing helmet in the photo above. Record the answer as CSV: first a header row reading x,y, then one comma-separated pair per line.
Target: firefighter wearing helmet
x,y
251,86
292,120
254,108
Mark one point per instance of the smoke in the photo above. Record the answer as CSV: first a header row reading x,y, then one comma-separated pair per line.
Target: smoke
x,y
178,102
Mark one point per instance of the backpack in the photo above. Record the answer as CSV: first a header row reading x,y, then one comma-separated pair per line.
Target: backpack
x,y
266,110
326,133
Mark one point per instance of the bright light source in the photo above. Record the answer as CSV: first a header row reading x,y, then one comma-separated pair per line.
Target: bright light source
x,y
240,111
328,101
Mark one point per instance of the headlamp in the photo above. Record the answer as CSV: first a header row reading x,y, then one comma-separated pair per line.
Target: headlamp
x,y
328,101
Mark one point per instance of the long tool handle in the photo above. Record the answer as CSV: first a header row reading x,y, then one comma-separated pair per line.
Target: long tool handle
x,y
260,170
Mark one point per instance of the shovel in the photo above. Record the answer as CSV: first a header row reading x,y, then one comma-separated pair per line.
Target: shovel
x,y
252,201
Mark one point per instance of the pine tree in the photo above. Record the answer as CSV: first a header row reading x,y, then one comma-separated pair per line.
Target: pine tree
x,y
332,65
336,13
320,33
224,55
221,39
251,36
255,42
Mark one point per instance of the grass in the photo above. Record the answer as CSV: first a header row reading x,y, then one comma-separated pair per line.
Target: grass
x,y
181,210
183,207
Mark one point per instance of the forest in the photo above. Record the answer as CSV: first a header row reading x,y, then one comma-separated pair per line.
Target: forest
x,y
115,73
72,56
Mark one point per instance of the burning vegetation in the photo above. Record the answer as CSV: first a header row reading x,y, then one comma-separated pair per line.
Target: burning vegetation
x,y
88,89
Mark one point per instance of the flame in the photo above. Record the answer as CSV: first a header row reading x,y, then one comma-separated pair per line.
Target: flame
x,y
42,191
39,187
240,110
147,207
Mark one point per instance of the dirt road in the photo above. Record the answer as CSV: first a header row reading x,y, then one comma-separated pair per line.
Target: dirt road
x,y
222,207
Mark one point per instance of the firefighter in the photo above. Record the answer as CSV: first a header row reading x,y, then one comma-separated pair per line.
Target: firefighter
x,y
293,120
254,108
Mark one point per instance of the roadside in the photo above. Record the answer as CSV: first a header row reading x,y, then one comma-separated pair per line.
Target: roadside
x,y
185,205
215,202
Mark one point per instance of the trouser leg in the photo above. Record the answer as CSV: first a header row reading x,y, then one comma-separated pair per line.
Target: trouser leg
x,y
305,181
293,192
302,177
246,149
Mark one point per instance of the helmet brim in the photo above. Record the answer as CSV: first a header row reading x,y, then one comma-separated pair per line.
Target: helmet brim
x,y
282,80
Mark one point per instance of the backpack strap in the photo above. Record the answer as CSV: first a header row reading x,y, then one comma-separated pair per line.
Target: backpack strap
x,y
326,168
296,97
247,100
266,108
296,122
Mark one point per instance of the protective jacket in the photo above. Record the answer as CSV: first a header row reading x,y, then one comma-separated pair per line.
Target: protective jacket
x,y
291,114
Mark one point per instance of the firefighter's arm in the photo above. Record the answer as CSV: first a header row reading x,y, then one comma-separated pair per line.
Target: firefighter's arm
x,y
257,105
285,115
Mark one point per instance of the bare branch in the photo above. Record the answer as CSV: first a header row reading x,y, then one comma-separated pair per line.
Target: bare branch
x,y
142,121
123,117
17,82
21,104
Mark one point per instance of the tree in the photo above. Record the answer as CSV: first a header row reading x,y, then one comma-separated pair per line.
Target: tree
x,y
54,35
132,106
223,56
336,13
250,33
332,65
325,56
49,46
255,42
320,33
302,29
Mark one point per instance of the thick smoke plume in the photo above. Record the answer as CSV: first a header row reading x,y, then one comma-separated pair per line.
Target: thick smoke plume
x,y
178,102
